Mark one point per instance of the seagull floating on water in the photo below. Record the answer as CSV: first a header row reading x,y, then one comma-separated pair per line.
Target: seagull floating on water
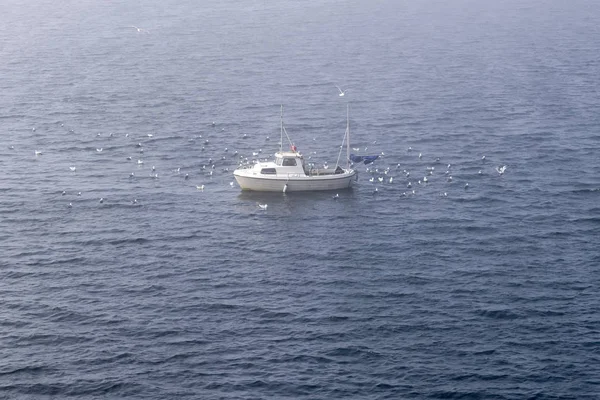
x,y
73,169
201,187
263,206
501,169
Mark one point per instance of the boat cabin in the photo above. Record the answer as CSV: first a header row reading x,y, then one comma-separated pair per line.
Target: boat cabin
x,y
286,162
291,164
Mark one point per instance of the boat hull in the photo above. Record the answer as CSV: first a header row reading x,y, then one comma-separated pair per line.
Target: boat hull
x,y
295,184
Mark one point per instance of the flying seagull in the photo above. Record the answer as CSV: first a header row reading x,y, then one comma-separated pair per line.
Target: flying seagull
x,y
342,92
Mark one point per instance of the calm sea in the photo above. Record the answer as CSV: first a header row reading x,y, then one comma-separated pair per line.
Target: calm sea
x,y
440,290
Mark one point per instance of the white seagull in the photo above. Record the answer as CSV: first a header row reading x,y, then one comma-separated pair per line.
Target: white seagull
x,y
342,92
501,169
139,30
263,206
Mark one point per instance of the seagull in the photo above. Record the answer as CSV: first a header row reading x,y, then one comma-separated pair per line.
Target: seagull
x,y
342,92
391,179
140,162
263,206
466,185
38,153
201,187
186,177
134,201
78,193
483,158
129,158
337,196
11,147
139,30
101,200
501,169
99,150
70,205
150,135
73,169
63,193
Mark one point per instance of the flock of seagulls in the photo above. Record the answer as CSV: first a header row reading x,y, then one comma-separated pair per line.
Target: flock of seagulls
x,y
423,179
425,171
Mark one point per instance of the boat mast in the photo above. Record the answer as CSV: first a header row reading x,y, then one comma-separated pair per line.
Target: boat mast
x,y
281,139
347,136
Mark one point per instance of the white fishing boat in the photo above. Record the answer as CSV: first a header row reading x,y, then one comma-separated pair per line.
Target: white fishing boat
x,y
290,173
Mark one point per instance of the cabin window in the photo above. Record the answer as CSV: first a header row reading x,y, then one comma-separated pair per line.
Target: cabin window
x,y
268,171
289,162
